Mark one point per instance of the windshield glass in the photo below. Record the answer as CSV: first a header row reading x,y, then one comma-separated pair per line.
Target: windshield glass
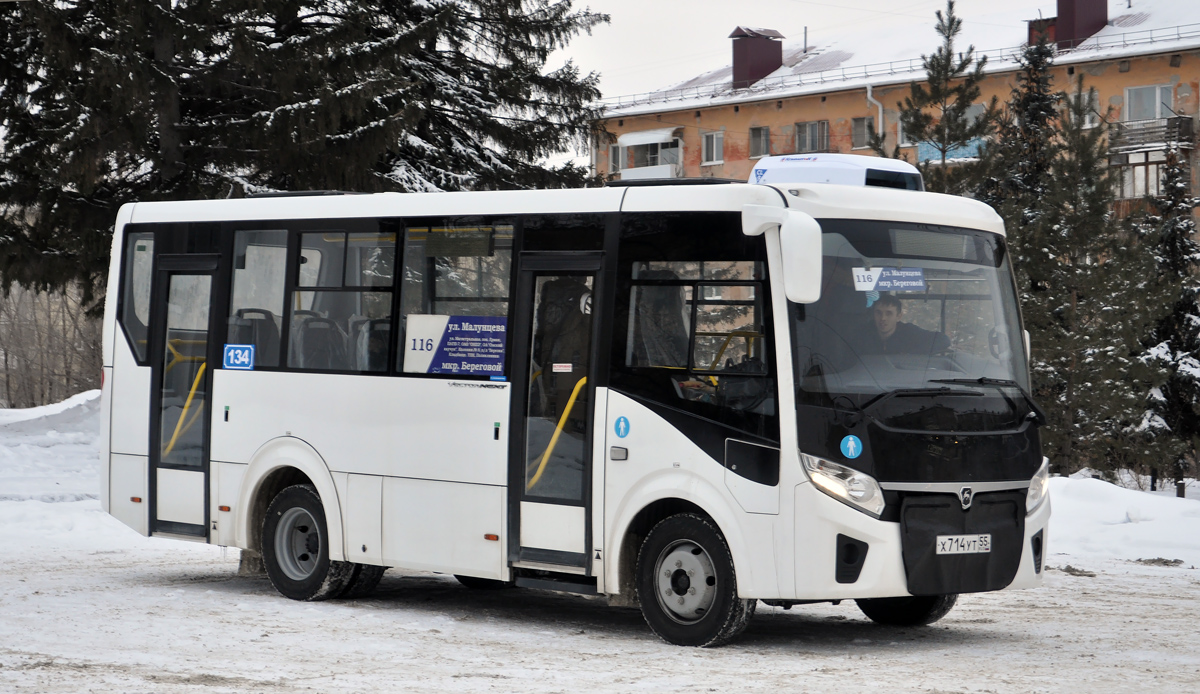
x,y
907,306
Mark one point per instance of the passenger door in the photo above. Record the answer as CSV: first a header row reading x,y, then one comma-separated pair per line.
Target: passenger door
x,y
181,363
554,379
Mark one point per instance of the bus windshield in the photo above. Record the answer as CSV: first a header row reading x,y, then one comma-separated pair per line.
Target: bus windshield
x,y
912,308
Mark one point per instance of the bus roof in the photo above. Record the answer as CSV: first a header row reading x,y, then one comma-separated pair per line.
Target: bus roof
x,y
818,200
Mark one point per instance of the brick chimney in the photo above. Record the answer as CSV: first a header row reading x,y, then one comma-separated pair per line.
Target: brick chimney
x,y
756,54
1079,19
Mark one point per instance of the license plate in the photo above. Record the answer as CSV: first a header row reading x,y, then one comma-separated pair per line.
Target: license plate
x,y
964,544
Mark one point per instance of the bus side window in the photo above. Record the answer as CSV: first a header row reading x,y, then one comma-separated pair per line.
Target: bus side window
x,y
256,305
341,315
135,290
692,329
456,279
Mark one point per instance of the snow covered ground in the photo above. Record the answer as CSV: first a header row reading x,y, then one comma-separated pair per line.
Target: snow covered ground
x,y
88,605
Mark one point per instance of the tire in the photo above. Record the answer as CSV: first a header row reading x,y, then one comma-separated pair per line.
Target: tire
x,y
363,580
295,547
909,611
483,583
686,583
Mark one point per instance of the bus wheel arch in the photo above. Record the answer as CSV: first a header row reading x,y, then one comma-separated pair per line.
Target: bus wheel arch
x,y
277,465
631,543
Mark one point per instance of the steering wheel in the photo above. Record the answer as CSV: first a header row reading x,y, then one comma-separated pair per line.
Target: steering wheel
x,y
998,343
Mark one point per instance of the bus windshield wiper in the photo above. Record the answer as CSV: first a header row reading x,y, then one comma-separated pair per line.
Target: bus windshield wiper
x,y
1000,383
909,392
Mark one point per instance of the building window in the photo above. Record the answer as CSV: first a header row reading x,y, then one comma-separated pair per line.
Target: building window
x,y
668,152
644,155
714,148
812,136
902,137
1139,173
760,142
1092,118
1149,103
616,157
860,132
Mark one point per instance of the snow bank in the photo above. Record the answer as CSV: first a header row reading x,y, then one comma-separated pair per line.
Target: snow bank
x,y
1093,518
50,453
8,416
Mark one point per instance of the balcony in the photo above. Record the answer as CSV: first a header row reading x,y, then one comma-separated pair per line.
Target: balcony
x,y
1153,134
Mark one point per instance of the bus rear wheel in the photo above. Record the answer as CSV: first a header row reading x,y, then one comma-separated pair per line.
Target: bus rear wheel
x,y
295,547
912,611
686,583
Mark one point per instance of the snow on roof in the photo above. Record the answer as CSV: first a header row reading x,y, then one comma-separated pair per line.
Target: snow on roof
x,y
744,32
892,54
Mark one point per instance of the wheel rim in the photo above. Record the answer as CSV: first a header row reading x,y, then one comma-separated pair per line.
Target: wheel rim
x,y
297,544
686,582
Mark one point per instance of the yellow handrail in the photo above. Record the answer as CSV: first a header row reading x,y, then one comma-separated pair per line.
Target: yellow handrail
x,y
186,405
729,336
557,430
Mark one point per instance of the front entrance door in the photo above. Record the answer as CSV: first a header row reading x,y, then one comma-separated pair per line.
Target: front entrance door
x,y
553,411
179,430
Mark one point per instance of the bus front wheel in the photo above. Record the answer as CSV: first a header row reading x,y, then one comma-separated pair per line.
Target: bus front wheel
x,y
295,547
686,583
913,611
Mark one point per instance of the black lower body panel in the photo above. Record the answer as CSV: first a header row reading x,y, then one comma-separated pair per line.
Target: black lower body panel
x,y
923,517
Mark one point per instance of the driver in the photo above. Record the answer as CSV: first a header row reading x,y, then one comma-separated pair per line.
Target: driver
x,y
888,335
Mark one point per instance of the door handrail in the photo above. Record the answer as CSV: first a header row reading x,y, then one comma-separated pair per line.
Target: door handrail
x,y
557,431
186,405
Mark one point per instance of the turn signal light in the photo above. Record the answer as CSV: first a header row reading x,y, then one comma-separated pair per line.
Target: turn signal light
x,y
493,538
136,499
222,508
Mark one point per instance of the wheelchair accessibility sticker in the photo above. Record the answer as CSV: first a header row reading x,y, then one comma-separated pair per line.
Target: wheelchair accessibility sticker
x,y
622,427
851,447
238,357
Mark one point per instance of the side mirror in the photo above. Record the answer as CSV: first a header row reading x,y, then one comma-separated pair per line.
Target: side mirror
x,y
800,245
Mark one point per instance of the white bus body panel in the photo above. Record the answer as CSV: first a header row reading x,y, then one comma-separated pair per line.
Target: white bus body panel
x,y
226,484
553,526
827,201
441,526
128,479
1027,576
665,464
130,423
179,496
431,442
425,428
364,509
106,374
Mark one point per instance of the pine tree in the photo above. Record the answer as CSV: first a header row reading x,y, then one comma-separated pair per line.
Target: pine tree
x,y
1017,161
1091,302
1175,406
1016,164
107,103
935,113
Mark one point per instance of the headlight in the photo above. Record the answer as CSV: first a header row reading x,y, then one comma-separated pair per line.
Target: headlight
x,y
847,485
1039,487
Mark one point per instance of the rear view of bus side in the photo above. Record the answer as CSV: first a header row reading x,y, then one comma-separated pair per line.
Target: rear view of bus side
x,y
688,398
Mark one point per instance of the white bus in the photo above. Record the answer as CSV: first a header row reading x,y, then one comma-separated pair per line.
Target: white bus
x,y
687,398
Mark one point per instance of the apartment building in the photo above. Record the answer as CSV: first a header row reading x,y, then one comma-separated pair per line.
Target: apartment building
x,y
777,97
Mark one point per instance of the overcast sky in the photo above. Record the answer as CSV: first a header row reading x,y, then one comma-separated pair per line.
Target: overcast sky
x,y
653,43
